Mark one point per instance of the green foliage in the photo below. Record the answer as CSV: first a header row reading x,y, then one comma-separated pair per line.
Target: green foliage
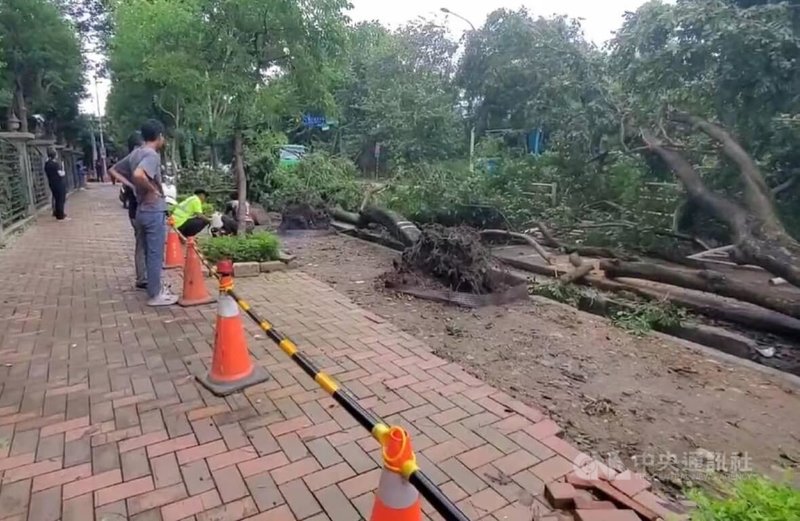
x,y
318,180
217,182
257,247
748,499
558,291
42,62
646,316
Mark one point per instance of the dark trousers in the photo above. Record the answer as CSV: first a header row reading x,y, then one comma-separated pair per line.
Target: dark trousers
x,y
59,192
192,226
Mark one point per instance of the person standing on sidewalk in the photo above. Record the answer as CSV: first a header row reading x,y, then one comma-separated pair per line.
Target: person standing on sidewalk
x,y
129,195
56,181
141,170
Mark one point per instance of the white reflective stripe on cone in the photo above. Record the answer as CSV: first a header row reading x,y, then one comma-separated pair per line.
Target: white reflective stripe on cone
x,y
395,492
227,306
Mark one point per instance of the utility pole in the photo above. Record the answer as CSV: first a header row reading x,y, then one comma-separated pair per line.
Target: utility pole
x,y
472,129
103,164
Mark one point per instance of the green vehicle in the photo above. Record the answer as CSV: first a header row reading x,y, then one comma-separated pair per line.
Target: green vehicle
x,y
291,155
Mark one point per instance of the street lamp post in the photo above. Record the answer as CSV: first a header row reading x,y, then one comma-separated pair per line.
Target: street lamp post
x,y
100,128
472,129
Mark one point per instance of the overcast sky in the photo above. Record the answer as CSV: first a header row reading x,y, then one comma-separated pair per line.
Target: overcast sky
x,y
600,18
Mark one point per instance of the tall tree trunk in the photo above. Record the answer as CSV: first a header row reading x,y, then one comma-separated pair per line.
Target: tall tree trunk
x,y
241,180
21,106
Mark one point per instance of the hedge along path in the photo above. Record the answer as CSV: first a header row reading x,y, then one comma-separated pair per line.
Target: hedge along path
x,y
377,428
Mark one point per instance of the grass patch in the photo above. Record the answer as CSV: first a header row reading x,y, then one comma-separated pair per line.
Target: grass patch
x,y
748,499
258,247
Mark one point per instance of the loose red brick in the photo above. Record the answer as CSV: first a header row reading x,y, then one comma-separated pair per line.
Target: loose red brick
x,y
650,506
263,464
173,445
64,426
190,506
232,457
61,477
144,440
329,476
90,484
561,496
553,468
294,470
630,483
29,471
17,461
156,498
123,491
284,427
606,515
233,511
201,451
543,429
479,456
584,503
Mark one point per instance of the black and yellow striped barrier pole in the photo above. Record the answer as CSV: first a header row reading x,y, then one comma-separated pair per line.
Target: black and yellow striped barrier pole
x,y
379,430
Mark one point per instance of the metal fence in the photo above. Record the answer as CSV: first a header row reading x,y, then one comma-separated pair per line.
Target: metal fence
x,y
23,183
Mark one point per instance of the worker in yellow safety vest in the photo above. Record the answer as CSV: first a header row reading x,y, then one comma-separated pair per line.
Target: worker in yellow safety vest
x,y
188,214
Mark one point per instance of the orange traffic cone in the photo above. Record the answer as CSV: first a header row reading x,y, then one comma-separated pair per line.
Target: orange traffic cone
x,y
195,292
174,253
231,367
396,498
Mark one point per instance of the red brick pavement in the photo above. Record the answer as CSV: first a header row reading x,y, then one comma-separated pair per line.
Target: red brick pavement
x,y
100,413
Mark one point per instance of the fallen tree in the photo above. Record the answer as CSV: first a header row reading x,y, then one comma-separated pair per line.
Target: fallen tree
x,y
704,280
758,235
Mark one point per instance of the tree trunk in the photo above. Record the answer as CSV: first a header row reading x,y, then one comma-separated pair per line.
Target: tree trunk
x,y
21,107
758,235
704,280
241,180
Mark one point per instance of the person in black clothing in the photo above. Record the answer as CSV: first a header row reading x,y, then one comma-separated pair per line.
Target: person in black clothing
x,y
55,178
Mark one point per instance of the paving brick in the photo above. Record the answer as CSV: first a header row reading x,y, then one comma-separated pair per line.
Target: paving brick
x,y
135,464
110,511
263,464
229,483
444,450
361,484
292,446
300,500
123,491
329,476
552,469
264,491
61,477
232,457
197,477
17,461
29,471
462,476
92,483
479,456
294,470
335,504
233,511
324,452
356,457
65,426
144,440
105,458
165,470
543,429
190,506
172,445
80,508
155,499
46,505
201,451
280,513
482,503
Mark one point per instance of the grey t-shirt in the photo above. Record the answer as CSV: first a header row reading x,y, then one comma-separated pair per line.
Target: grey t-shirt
x,y
150,161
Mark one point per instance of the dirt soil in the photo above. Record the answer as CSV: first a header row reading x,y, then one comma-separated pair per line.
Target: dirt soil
x,y
648,401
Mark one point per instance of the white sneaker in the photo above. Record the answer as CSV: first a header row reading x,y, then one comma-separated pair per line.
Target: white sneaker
x,y
165,298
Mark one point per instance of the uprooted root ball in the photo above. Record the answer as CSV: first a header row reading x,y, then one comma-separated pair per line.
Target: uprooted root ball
x,y
453,255
303,216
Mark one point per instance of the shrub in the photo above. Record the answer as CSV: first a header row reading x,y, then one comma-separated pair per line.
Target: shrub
x,y
748,499
217,182
258,247
318,180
